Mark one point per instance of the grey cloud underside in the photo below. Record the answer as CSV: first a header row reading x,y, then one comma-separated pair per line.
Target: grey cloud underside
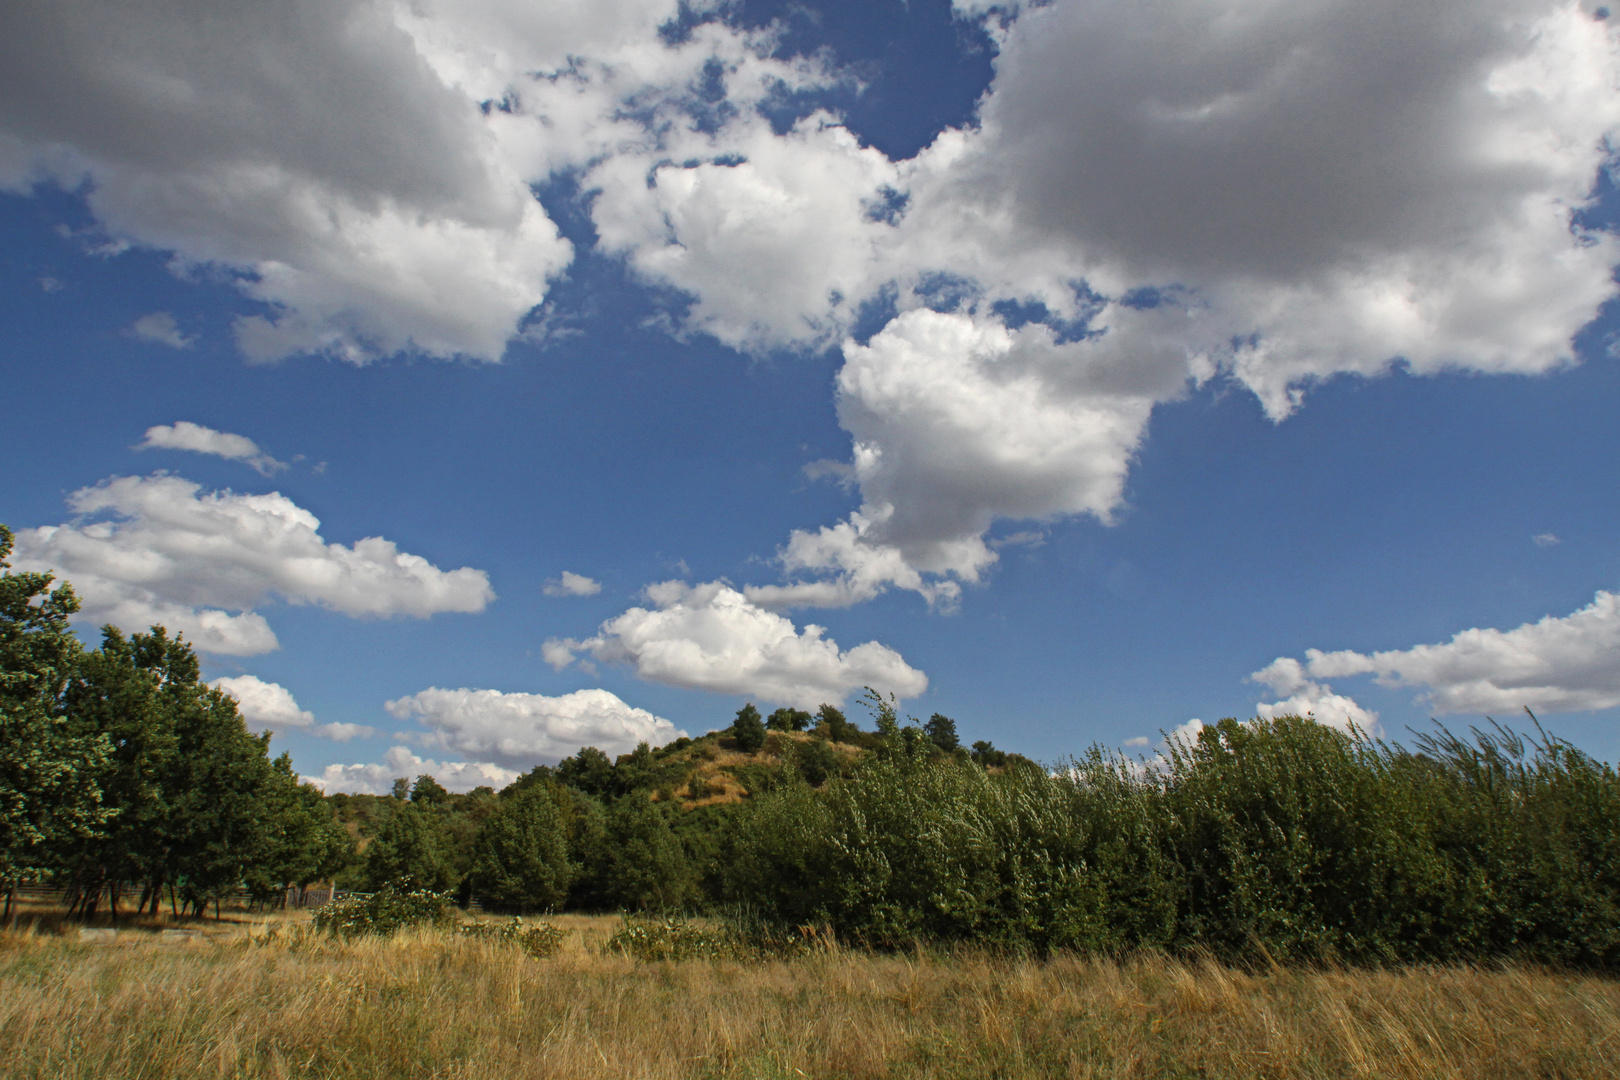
x,y
310,146
299,87
1272,140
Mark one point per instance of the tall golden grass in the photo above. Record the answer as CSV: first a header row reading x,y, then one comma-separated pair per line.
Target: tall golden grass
x,y
276,1001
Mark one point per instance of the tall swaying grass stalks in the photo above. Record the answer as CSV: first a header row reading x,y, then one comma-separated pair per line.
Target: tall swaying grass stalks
x,y
1277,838
431,1003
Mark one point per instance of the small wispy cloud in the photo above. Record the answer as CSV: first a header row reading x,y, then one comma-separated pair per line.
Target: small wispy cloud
x,y
197,439
161,328
1029,538
1545,540
828,469
571,584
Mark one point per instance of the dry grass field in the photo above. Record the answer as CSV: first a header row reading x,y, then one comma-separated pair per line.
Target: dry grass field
x,y
265,998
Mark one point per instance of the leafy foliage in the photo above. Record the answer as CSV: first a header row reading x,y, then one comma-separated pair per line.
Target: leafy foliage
x,y
384,913
672,939
539,940
49,798
1280,835
521,858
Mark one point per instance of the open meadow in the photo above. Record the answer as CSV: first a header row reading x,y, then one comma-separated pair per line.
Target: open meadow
x,y
267,997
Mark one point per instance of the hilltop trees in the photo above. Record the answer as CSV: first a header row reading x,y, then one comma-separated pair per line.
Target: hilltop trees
x,y
786,719
748,729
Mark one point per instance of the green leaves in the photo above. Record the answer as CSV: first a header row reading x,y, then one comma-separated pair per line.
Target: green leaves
x,y
1275,834
520,859
49,766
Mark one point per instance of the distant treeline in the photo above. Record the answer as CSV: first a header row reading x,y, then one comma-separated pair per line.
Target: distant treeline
x,y
1272,838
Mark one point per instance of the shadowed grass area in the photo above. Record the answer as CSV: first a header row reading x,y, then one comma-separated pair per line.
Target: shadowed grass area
x,y
436,1004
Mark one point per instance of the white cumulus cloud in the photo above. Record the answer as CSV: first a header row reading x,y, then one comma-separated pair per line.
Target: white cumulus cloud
x,y
271,706
1286,676
958,421
185,435
522,730
1568,663
158,549
398,762
313,146
773,235
572,584
711,637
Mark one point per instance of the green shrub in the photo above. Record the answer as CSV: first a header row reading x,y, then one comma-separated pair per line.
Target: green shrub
x,y
539,940
1277,836
672,939
816,761
383,913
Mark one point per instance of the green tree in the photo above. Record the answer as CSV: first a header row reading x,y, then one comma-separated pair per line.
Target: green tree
x,y
520,859
646,867
941,731
817,761
201,808
591,771
428,790
786,719
304,841
49,766
748,729
831,722
985,753
409,847
116,696
223,787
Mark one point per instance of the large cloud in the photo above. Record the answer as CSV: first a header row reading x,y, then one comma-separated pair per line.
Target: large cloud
x,y
158,549
521,730
958,421
312,145
1182,189
399,763
268,706
1567,663
366,165
711,637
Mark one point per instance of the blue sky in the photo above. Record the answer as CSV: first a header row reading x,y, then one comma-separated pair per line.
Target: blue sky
x,y
1079,370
